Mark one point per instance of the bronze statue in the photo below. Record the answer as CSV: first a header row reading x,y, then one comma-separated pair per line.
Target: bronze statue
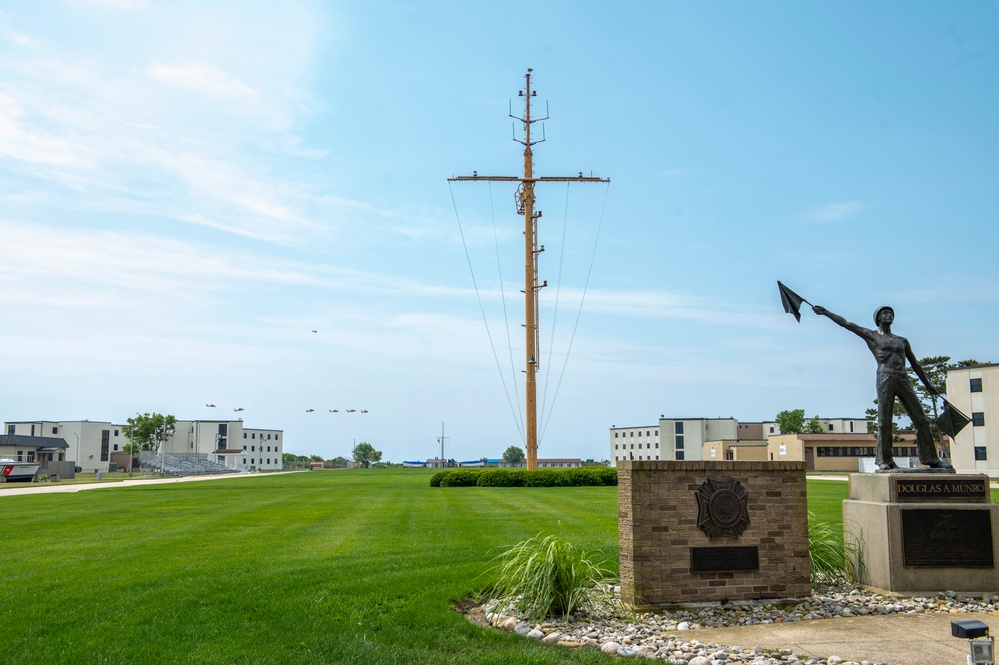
x,y
891,352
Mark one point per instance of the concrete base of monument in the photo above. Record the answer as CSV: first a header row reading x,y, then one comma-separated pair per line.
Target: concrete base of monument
x,y
918,533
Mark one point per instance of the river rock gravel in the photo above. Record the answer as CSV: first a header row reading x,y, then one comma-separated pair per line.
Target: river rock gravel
x,y
672,635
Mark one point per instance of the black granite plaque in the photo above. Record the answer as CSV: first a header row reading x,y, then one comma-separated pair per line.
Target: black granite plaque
x,y
941,538
724,559
942,489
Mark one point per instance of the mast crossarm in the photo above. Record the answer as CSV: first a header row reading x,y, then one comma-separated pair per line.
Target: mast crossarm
x,y
513,178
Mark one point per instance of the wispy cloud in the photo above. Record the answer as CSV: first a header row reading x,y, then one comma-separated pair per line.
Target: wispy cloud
x,y
125,5
833,212
202,78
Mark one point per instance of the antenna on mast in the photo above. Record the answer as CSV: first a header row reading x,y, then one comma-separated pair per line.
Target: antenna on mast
x,y
525,200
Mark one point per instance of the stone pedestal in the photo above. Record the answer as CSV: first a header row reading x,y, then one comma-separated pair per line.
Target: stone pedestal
x,y
923,532
699,531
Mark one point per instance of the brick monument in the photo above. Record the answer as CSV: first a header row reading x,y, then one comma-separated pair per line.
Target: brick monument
x,y
702,531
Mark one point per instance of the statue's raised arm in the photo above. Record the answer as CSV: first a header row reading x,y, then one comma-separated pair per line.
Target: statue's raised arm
x,y
839,320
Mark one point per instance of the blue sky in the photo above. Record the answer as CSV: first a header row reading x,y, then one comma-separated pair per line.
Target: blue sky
x,y
189,189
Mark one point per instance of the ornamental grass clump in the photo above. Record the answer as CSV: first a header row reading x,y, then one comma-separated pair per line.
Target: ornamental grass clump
x,y
543,577
831,558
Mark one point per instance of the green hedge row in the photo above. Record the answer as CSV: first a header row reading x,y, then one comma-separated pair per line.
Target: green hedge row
x,y
585,476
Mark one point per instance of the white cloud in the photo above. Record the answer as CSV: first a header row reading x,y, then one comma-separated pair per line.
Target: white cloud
x,y
202,78
125,5
834,212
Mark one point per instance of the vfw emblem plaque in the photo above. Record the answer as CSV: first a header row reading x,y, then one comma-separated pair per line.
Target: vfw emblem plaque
x,y
722,507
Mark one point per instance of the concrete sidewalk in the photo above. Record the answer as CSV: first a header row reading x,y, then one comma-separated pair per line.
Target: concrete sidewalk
x,y
39,488
897,639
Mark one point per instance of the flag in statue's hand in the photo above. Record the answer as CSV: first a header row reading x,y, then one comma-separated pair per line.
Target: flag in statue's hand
x,y
791,301
951,421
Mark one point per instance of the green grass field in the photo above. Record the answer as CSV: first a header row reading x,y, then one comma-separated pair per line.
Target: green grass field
x,y
359,566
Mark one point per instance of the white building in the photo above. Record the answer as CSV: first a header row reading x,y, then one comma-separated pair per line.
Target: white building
x,y
975,391
92,443
684,438
829,426
670,439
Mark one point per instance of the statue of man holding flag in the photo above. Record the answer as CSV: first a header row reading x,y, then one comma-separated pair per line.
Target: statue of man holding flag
x,y
891,351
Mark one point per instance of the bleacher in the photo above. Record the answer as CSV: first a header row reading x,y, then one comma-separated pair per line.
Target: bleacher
x,y
192,464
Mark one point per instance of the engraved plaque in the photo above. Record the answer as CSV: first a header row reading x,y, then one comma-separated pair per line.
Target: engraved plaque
x,y
722,507
724,559
940,538
942,489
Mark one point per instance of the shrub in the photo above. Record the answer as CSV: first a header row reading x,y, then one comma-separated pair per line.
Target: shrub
x,y
578,477
459,478
501,478
547,576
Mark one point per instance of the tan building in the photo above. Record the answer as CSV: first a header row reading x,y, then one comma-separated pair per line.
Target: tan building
x,y
975,391
728,450
832,452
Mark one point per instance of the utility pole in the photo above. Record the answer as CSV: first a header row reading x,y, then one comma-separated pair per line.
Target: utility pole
x,y
441,440
525,206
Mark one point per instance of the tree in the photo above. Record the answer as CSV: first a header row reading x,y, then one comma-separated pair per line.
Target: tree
x,y
365,454
147,432
315,458
338,461
814,426
513,455
791,422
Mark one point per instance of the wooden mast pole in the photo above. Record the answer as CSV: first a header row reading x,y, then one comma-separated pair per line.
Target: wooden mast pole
x,y
525,205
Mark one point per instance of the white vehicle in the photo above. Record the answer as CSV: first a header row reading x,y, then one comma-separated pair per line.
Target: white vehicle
x,y
17,472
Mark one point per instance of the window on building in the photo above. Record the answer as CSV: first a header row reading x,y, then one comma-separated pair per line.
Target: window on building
x,y
679,443
10,430
851,425
244,435
20,455
268,437
253,461
978,418
253,449
105,443
639,446
679,455
116,432
31,455
678,428
647,433
116,447
55,430
657,444
976,385
633,435
830,427
981,454
615,458
615,446
615,435
275,437
244,450
771,430
253,436
32,430
657,456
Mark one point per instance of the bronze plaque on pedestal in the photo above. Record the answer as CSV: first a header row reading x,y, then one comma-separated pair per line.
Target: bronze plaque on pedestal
x,y
941,538
724,559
